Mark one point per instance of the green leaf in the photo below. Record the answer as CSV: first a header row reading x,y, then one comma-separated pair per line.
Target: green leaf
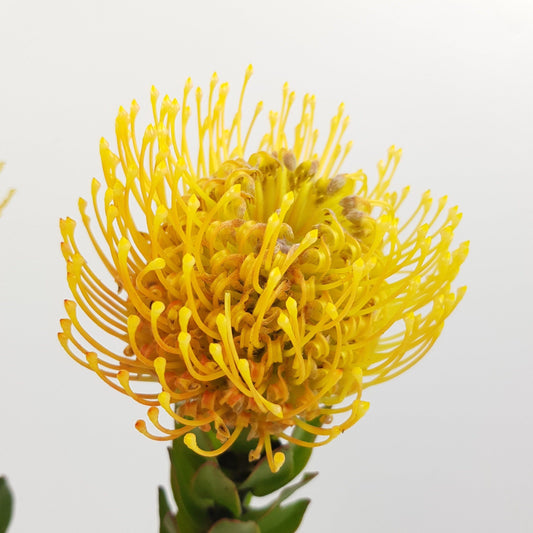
x,y
185,521
257,514
167,521
288,491
6,505
284,519
228,525
211,483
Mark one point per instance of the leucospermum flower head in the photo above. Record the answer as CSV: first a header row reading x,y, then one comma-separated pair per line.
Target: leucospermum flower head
x,y
256,288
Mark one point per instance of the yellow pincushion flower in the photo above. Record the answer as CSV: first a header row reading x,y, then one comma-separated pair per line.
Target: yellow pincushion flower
x,y
257,289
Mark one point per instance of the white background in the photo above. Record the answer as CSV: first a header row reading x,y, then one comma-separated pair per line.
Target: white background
x,y
446,447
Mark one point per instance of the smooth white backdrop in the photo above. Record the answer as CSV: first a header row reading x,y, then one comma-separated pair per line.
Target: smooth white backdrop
x,y
444,448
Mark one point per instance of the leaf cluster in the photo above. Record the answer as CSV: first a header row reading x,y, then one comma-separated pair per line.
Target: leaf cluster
x,y
215,494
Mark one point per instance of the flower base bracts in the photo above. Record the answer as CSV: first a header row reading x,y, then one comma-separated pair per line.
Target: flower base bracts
x,y
215,495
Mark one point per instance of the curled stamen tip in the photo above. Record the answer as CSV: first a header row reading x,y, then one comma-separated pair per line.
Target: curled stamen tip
x,y
279,460
215,349
221,321
140,426
157,308
184,315
190,441
153,414
124,244
134,321
70,306
249,71
291,305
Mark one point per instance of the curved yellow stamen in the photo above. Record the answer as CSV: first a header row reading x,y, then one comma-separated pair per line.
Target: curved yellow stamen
x,y
276,460
190,441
